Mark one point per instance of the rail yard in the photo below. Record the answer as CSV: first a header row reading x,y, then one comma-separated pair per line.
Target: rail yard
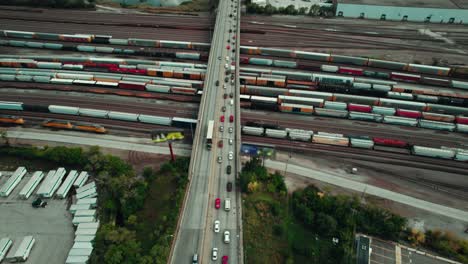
x,y
341,88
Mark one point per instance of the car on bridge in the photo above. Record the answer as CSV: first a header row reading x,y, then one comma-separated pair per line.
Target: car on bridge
x,y
217,203
225,95
228,169
220,144
224,260
223,109
229,186
216,226
227,237
230,155
214,254
228,47
221,119
231,118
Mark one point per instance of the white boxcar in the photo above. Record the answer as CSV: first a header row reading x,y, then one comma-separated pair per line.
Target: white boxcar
x,y
23,250
28,189
5,245
67,184
13,181
81,180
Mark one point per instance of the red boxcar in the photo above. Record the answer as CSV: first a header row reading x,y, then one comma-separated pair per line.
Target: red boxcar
x,y
408,113
398,76
390,142
360,108
139,86
351,71
462,120
179,90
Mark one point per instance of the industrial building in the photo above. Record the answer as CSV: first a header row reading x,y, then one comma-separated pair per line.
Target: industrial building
x,y
432,11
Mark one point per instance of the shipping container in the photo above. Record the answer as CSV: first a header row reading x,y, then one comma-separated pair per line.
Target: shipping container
x,y
67,110
91,201
81,180
67,184
433,152
77,260
80,252
83,213
51,183
86,187
81,238
13,181
32,184
75,207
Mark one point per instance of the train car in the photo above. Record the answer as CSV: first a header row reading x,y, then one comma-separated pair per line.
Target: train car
x,y
398,76
330,140
408,113
356,99
359,108
351,71
300,100
403,104
275,52
312,94
427,69
393,65
459,72
462,120
260,61
271,82
248,80
460,85
296,108
311,55
447,109
255,131
57,124
331,112
438,117
76,38
285,64
433,152
348,59
14,120
263,91
390,142
436,125
435,81
128,85
87,127
181,90
365,116
329,68
400,121
325,78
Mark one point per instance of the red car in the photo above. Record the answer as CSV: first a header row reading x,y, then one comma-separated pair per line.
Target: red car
x,y
217,203
220,143
228,47
221,118
231,118
225,96
224,260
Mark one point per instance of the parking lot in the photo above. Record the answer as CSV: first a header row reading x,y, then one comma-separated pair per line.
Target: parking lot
x,y
384,252
50,226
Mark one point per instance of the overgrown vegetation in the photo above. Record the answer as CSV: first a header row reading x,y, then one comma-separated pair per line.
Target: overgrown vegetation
x,y
138,214
314,10
311,226
51,3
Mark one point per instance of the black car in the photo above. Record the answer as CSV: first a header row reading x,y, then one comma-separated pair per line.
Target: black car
x,y
223,109
229,186
226,79
231,95
230,30
217,83
39,203
228,169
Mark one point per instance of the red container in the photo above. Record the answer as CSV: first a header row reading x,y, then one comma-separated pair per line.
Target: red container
x,y
390,142
351,71
139,86
397,76
408,113
107,65
462,120
189,91
244,60
360,108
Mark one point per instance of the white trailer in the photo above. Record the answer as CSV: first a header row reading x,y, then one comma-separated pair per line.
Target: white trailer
x,y
5,245
75,207
91,201
86,187
91,193
76,260
29,188
51,183
86,232
81,238
23,250
83,219
81,180
89,225
86,245
85,213
80,252
13,181
58,177
67,184
46,183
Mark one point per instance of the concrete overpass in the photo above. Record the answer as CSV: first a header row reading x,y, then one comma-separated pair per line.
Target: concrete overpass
x,y
208,167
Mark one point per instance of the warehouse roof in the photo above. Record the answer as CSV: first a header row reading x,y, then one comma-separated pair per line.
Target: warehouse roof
x,y
450,4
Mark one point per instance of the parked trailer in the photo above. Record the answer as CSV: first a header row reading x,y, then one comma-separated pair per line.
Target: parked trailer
x,y
86,231
51,183
13,181
91,193
22,252
93,225
81,180
84,213
82,219
67,184
32,184
83,238
433,152
5,245
91,201
77,259
80,252
76,207
86,187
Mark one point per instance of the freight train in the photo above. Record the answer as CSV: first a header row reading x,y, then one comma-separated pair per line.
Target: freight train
x,y
78,126
461,71
11,120
363,142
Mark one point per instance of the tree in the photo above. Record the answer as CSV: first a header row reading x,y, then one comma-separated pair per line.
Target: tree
x,y
326,225
253,186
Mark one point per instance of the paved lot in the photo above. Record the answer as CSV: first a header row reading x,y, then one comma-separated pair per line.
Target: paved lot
x,y
50,226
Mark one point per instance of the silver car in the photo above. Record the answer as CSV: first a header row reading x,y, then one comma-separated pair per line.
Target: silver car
x,y
220,159
230,130
221,129
215,254
226,237
230,155
216,226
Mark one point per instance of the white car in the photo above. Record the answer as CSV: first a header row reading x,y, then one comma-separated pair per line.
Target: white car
x,y
226,66
227,58
230,155
230,141
230,130
226,237
220,159
215,254
224,86
216,226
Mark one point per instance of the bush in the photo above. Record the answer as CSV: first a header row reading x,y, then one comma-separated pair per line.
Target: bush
x,y
278,230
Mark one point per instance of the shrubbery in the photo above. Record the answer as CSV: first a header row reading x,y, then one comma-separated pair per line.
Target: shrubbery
x,y
268,9
51,3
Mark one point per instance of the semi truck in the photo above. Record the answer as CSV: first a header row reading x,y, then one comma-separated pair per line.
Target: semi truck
x,y
209,134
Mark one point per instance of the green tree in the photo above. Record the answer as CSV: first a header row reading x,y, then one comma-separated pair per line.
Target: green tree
x,y
326,225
